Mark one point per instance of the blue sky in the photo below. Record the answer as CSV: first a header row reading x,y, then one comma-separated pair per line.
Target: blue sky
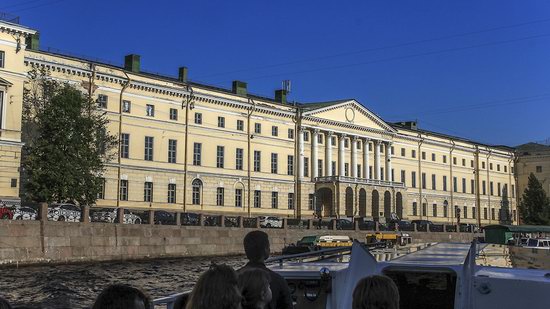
x,y
477,69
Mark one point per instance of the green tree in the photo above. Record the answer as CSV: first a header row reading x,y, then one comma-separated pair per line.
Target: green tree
x,y
535,205
66,142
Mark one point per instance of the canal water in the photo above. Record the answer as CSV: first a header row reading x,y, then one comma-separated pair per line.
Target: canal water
x,y
76,286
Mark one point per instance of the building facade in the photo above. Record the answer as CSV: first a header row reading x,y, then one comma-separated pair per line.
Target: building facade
x,y
532,158
196,148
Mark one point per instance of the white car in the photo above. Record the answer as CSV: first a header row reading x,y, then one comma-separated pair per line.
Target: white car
x,y
270,222
24,213
64,212
110,215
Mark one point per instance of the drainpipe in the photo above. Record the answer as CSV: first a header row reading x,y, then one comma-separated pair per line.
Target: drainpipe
x,y
124,86
297,185
477,183
509,189
249,140
185,146
452,210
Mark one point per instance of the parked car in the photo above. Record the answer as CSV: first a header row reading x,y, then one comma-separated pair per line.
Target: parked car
x,y
405,225
110,215
231,222
24,213
342,224
189,218
164,217
371,225
64,212
269,222
422,223
5,212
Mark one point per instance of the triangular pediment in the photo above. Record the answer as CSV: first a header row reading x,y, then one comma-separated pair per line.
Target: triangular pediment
x,y
347,111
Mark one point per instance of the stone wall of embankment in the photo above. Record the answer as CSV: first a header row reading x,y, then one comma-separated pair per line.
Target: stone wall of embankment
x,y
37,242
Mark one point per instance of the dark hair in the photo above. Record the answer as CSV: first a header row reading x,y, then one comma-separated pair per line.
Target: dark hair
x,y
253,284
256,245
4,304
121,296
376,292
216,289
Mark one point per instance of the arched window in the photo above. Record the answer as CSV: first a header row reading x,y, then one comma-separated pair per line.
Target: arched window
x,y
445,209
197,187
415,209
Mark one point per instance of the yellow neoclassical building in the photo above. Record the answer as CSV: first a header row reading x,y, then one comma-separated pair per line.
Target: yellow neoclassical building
x,y
196,148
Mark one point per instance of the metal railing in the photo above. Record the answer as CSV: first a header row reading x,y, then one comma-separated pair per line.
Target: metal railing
x,y
374,182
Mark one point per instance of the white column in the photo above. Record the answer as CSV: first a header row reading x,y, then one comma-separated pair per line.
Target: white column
x,y
366,171
328,154
354,156
341,155
377,170
314,159
388,161
301,153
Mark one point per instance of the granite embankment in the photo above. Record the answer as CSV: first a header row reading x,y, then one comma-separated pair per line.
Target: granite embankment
x,y
40,242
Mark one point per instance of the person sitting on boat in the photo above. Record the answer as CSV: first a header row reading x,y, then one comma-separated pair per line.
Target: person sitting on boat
x,y
217,288
122,296
254,286
257,249
375,292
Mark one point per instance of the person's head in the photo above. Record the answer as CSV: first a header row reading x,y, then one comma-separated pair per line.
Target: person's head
x,y
254,286
256,246
122,296
4,304
375,292
217,288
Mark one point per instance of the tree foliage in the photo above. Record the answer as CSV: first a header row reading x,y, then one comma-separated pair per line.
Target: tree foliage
x,y
535,205
66,142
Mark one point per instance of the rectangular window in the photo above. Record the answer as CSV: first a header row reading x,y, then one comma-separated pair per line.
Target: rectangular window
x,y
491,188
463,185
505,169
490,166
291,201
2,59
173,114
149,148
424,209
220,156
474,214
290,165
434,210
274,163
238,197
413,153
333,168
257,160
150,110
483,165
311,201
291,133
239,153
465,212
483,190
382,174
444,159
257,199
454,160
100,194
123,190
172,193
455,184
471,163
423,155
102,101
198,118
320,140
258,128
492,214
220,196
274,131
433,156
539,169
403,177
274,200
333,141
498,167
126,106
358,169
306,167
148,192
444,183
415,209
172,150
306,136
413,179
124,145
197,153
346,143
346,169
513,191
320,168
392,150
485,213
498,189
423,180
221,122
472,186
434,186
240,125
463,162
402,152
445,211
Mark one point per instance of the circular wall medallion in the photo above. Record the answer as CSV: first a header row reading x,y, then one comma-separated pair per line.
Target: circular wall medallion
x,y
350,114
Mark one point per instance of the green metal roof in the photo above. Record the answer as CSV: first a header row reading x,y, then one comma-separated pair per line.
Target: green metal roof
x,y
520,228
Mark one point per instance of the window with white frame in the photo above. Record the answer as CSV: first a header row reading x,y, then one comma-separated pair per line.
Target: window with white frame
x,y
150,110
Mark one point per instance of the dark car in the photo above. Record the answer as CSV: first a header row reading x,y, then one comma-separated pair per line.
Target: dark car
x,y
189,218
164,217
342,224
422,224
371,225
405,225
